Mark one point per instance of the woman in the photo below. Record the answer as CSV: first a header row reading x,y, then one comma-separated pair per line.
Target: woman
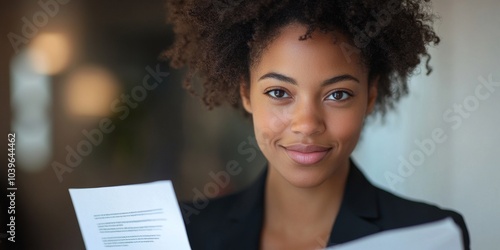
x,y
308,73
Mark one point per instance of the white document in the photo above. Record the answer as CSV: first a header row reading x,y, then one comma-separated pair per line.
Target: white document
x,y
141,216
443,234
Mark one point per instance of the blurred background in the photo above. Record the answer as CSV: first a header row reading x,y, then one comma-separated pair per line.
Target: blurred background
x,y
92,104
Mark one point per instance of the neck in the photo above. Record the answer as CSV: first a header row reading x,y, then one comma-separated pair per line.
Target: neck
x,y
295,209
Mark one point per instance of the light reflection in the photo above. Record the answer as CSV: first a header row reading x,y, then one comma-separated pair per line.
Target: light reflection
x,y
89,92
31,105
50,53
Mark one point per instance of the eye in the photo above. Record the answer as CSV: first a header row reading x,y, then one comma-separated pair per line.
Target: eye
x,y
277,93
340,95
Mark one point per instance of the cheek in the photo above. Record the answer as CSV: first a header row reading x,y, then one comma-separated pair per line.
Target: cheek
x,y
270,123
346,128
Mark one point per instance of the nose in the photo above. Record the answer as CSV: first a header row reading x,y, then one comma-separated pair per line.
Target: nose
x,y
307,119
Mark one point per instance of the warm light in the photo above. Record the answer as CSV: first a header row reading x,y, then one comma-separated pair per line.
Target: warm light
x,y
90,92
50,53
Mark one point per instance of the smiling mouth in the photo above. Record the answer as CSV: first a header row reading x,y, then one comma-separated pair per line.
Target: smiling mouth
x,y
305,154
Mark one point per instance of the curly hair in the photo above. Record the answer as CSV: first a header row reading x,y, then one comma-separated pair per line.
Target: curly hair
x,y
219,40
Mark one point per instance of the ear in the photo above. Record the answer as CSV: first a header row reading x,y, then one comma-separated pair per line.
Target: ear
x,y
372,94
245,96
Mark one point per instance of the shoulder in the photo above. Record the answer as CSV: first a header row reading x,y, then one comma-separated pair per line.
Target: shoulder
x,y
205,220
396,212
207,212
403,210
389,211
225,221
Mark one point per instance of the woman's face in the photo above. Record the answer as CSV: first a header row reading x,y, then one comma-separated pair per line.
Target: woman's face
x,y
308,102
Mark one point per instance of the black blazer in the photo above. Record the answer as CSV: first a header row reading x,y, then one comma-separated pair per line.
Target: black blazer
x,y
235,221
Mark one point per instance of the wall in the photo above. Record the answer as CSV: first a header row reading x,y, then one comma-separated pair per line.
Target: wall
x,y
460,168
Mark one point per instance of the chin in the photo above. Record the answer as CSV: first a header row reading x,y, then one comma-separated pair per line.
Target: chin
x,y
306,177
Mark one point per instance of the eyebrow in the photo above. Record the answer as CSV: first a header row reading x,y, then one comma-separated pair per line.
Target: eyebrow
x,y
283,78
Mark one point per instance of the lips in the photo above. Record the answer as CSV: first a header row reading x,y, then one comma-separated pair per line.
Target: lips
x,y
306,154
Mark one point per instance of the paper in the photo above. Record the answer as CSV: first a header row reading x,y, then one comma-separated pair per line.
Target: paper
x,y
443,234
142,216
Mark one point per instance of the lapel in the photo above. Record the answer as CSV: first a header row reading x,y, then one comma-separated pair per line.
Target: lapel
x,y
358,208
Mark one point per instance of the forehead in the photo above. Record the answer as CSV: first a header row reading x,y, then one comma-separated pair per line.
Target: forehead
x,y
322,54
